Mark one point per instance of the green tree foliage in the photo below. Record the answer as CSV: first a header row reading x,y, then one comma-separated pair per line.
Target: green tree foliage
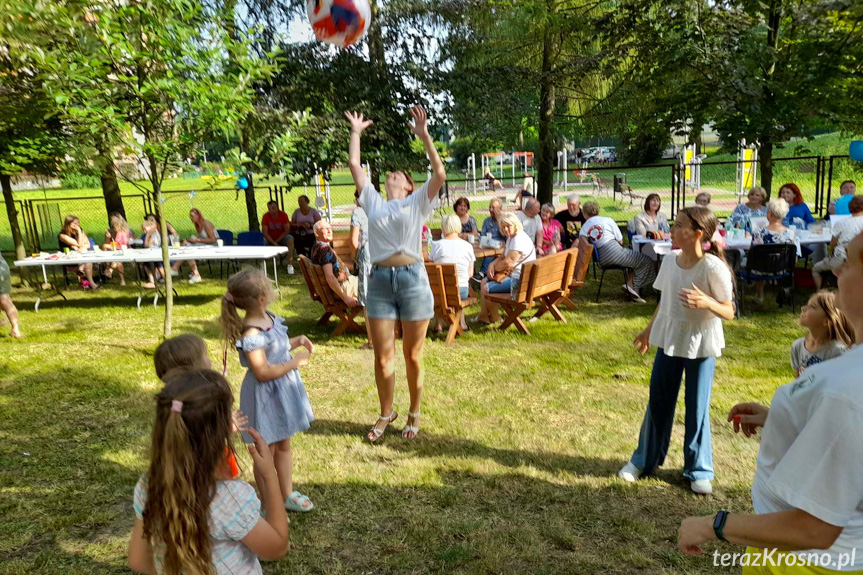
x,y
158,74
760,71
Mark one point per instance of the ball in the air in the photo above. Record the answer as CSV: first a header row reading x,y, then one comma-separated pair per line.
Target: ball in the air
x,y
339,22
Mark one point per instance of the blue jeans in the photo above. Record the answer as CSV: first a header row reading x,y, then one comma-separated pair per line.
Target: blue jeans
x,y
463,292
499,287
401,292
658,420
485,263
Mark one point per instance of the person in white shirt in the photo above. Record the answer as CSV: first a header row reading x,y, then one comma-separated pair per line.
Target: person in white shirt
x,y
504,273
528,190
808,489
843,232
605,234
697,292
451,249
531,221
398,289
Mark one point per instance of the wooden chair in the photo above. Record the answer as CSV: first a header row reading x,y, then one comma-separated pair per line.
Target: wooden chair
x,y
320,290
342,246
443,279
545,280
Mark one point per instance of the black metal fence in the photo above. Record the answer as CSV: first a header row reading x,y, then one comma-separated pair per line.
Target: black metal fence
x,y
620,191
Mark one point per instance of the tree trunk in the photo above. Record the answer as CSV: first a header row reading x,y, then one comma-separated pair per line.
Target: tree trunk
x,y
110,186
163,231
547,156
765,158
252,205
521,137
12,213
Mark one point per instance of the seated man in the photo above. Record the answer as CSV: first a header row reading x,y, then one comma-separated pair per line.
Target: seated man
x,y
340,281
604,233
277,227
531,221
571,219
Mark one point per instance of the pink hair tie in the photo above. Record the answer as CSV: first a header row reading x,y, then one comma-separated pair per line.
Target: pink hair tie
x,y
229,298
706,246
177,406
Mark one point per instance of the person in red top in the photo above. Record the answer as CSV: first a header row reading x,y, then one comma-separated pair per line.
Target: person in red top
x,y
277,231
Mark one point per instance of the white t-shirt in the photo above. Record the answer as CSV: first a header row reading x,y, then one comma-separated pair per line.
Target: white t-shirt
x,y
690,333
455,251
520,242
844,231
395,226
601,230
531,225
811,456
529,185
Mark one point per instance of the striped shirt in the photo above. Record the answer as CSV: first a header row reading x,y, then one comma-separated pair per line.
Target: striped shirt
x,y
234,511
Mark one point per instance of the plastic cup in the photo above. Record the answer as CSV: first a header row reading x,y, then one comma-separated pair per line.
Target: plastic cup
x,y
220,243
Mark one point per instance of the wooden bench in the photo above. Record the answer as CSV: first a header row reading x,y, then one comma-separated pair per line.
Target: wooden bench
x,y
545,280
342,246
321,291
582,254
443,279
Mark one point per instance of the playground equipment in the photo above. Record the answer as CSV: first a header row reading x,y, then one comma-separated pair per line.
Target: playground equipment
x,y
562,169
747,165
322,197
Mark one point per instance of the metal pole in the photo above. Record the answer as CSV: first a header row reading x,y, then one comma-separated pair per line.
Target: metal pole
x,y
830,182
565,175
818,186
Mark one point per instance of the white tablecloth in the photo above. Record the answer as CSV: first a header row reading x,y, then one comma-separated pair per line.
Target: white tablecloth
x,y
151,255
656,249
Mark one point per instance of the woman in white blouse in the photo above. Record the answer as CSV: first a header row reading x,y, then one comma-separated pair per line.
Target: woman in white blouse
x,y
398,289
451,249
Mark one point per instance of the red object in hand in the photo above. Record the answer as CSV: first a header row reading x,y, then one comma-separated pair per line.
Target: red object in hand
x,y
231,462
736,418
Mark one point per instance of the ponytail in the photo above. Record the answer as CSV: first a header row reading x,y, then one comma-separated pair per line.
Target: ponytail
x,y
704,220
190,435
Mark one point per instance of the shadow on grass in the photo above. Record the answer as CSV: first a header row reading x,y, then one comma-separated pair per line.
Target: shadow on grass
x,y
65,498
431,445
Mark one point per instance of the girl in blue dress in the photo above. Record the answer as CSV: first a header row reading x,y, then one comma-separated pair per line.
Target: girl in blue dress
x,y
273,395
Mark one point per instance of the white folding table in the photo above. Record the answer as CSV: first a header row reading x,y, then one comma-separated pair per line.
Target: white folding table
x,y
154,255
656,249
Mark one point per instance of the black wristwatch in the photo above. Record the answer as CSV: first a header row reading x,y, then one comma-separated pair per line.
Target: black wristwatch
x,y
719,524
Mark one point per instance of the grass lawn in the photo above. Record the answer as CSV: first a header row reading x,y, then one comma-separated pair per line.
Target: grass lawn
x,y
513,470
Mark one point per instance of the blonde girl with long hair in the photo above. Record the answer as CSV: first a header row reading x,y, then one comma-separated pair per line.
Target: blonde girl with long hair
x,y
273,395
829,333
190,517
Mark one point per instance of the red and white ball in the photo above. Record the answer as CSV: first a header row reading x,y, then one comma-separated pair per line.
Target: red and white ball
x,y
339,22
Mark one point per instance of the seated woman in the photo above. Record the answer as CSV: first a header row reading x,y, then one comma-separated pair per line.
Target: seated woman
x,y
797,210
493,183
651,219
774,233
468,223
73,238
117,236
152,238
302,223
336,272
451,249
504,272
205,234
552,231
754,208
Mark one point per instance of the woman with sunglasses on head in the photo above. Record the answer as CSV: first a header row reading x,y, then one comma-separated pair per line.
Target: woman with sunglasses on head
x,y
398,289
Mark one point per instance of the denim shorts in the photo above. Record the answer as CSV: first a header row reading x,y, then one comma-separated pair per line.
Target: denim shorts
x,y
506,286
400,292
